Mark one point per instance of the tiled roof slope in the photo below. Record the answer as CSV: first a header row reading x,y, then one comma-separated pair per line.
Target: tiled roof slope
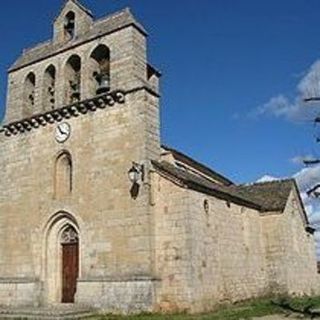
x,y
272,195
201,184
99,28
269,196
179,156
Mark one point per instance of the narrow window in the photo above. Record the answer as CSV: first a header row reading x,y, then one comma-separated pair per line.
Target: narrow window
x,y
100,66
73,80
29,90
49,88
69,25
63,176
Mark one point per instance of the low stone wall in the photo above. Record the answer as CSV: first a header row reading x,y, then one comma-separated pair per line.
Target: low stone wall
x,y
19,292
117,296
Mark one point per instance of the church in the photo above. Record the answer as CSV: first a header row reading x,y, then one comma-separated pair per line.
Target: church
x,y
95,211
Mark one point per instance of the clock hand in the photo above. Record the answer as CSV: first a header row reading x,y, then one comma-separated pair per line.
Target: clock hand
x,y
63,132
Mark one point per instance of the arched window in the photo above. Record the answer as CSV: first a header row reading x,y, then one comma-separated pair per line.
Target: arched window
x,y
69,25
29,90
63,176
49,83
100,66
73,80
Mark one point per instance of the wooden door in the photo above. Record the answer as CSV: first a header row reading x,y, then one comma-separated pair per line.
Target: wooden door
x,y
70,270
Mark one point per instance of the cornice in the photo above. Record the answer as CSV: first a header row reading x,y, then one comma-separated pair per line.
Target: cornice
x,y
102,101
70,111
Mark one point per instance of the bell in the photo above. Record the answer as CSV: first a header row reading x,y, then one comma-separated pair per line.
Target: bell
x,y
75,91
74,85
31,98
69,23
51,90
104,84
75,96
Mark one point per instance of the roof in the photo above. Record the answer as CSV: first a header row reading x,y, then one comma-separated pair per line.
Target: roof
x,y
101,27
179,156
204,185
267,196
271,195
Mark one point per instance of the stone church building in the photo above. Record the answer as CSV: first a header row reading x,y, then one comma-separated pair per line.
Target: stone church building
x,y
95,211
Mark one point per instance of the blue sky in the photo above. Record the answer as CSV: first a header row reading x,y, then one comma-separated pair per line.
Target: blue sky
x,y
221,61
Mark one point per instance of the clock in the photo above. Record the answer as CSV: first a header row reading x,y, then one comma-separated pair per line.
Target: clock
x,y
63,132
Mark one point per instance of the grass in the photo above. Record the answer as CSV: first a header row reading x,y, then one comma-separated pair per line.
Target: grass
x,y
247,310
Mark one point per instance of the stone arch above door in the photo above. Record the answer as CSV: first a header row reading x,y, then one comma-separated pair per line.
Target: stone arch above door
x,y
55,229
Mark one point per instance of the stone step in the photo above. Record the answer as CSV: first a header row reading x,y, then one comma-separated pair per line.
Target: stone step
x,y
52,313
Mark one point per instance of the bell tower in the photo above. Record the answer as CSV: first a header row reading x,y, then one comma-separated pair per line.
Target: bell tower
x,y
82,108
85,58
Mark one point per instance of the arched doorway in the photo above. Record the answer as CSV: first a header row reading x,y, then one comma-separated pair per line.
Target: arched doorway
x,y
70,264
61,259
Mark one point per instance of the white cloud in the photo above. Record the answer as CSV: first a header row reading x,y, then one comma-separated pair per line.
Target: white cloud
x,y
267,178
277,106
300,159
309,86
295,109
308,177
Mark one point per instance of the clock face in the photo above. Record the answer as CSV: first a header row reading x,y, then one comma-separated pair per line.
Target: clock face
x,y
63,131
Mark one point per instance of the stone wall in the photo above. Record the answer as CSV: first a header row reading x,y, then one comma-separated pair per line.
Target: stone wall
x,y
173,236
222,252
227,252
23,292
120,297
291,258
114,227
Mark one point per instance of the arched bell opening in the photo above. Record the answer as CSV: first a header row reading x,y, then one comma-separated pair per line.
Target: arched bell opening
x,y
29,92
69,25
49,88
100,70
73,80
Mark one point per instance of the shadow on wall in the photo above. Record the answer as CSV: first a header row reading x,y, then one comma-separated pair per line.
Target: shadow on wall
x,y
134,191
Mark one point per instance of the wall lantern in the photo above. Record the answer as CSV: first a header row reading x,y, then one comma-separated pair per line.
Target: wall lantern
x,y
136,173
